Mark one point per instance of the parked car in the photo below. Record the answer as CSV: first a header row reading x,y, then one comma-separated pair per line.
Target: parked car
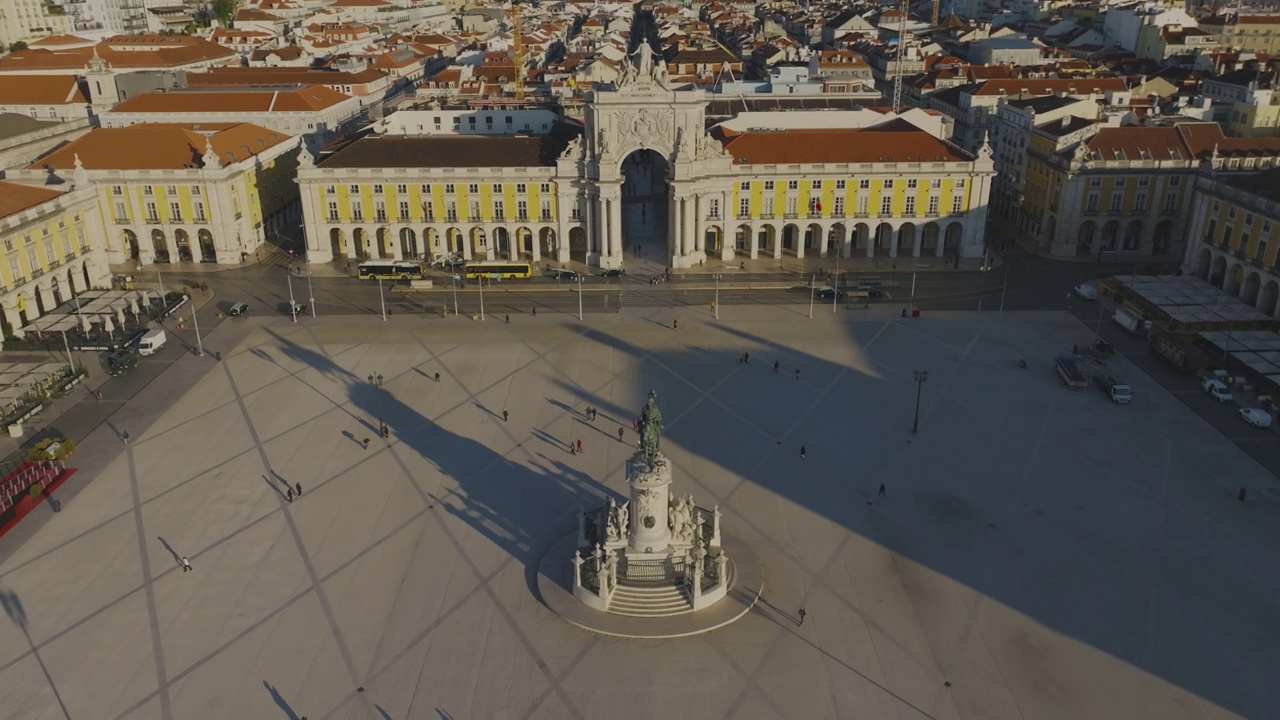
x,y
613,273
122,361
829,293
1256,417
297,308
1217,389
238,309
874,293
563,274
1086,291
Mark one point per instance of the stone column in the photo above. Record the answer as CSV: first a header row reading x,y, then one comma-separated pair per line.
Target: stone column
x,y
753,242
536,243
615,232
46,296
939,248
688,242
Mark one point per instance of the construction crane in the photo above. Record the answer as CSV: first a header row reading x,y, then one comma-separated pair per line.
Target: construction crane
x,y
899,69
517,43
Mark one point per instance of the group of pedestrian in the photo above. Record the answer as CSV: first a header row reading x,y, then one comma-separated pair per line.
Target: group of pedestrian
x,y
746,358
592,413
575,448
289,491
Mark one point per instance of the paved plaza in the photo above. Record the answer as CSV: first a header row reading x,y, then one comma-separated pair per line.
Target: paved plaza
x,y
1039,553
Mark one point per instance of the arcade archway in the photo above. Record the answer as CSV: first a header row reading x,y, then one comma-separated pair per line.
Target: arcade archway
x,y
644,206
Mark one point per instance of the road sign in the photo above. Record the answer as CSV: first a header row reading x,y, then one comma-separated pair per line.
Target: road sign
x,y
870,281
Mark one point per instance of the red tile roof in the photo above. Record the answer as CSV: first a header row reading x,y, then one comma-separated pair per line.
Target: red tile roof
x,y
161,146
1048,86
15,198
41,90
121,52
252,100
894,141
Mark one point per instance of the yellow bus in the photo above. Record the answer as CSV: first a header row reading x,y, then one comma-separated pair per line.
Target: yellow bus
x,y
391,270
498,269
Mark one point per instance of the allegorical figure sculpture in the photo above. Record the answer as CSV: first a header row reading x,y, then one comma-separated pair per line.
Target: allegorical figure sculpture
x,y
650,428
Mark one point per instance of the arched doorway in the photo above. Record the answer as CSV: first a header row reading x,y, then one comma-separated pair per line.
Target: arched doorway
x,y
455,242
84,270
862,238
812,236
431,242
884,236
1235,278
929,239
577,244
1162,238
335,243
183,243
502,244
131,245
790,238
479,242
207,252
1110,233
907,240
384,242
711,241
955,231
1218,271
160,246
644,206
836,240
768,240
360,240
1133,236
524,241
408,243
547,243
742,239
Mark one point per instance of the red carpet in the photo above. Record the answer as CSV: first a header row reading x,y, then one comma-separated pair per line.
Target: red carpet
x,y
11,515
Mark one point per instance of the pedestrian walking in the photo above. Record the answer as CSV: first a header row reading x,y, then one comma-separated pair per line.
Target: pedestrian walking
x,y
125,437
298,487
635,424
802,452
97,395
365,442
675,324
186,564
504,416
288,494
508,318
802,613
437,377
797,373
619,434
535,311
573,450
776,365
579,444
881,489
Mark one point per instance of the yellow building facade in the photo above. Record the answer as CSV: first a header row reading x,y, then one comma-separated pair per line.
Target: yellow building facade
x,y
52,241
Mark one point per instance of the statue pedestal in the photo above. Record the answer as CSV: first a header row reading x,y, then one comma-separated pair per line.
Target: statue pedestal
x,y
650,483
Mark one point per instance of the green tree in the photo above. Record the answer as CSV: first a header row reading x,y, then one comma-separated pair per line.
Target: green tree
x,y
224,11
17,46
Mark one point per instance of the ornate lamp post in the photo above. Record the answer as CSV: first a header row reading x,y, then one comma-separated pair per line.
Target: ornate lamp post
x,y
921,376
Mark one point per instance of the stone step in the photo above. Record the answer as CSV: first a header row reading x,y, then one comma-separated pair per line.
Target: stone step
x,y
650,600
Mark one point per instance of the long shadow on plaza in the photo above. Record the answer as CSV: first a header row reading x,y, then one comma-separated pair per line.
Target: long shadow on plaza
x,y
508,503
955,529
955,533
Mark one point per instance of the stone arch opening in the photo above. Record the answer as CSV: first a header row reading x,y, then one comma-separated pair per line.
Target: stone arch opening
x,y
208,253
131,245
547,245
408,244
1203,259
160,246
646,216
335,243
1267,302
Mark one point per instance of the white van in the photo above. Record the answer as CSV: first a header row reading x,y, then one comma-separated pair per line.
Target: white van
x,y
151,342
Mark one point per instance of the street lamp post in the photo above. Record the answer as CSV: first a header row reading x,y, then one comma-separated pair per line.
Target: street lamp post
x,y
811,279
454,282
717,300
382,299
480,280
375,379
293,306
579,298
311,296
921,376
195,323
67,346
